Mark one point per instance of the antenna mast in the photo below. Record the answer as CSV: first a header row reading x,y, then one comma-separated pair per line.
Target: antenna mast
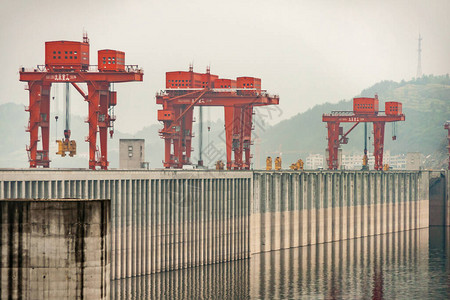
x,y
419,60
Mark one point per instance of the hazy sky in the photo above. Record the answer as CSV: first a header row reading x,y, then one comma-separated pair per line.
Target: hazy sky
x,y
308,52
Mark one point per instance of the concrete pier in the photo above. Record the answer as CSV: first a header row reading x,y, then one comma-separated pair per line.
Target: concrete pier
x,y
167,220
55,249
439,198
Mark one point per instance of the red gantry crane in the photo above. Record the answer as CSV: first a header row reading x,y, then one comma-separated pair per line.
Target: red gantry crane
x,y
364,110
184,90
68,62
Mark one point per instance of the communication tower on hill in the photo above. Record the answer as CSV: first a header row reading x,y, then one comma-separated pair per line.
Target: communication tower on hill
x,y
419,58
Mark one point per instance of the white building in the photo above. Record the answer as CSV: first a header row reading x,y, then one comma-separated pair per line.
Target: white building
x,y
314,161
353,161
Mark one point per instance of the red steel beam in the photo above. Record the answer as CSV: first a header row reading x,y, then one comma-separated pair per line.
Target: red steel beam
x,y
350,130
362,119
79,90
220,99
82,76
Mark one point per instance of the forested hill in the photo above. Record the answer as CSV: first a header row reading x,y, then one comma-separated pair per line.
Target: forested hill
x,y
426,104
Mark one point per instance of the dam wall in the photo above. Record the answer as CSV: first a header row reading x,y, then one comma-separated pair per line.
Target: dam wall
x,y
168,220
292,209
54,249
160,220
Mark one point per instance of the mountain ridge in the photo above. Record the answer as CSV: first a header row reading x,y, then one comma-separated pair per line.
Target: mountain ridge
x,y
426,104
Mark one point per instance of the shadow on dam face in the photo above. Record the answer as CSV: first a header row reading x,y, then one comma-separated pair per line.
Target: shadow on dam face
x,y
439,210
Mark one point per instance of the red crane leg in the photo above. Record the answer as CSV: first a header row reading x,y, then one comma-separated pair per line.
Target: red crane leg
x,y
378,142
176,155
180,136
45,125
33,123
93,100
187,137
169,140
178,147
167,151
103,124
237,137
333,145
176,141
229,110
247,138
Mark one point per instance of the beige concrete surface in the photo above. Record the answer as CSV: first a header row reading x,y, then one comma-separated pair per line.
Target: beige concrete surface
x,y
165,220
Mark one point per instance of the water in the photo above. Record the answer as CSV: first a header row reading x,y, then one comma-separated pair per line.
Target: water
x,y
407,265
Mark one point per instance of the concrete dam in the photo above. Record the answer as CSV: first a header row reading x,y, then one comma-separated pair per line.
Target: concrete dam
x,y
167,220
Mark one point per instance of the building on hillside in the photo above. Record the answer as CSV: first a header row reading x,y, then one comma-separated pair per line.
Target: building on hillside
x,y
353,161
395,162
132,154
314,161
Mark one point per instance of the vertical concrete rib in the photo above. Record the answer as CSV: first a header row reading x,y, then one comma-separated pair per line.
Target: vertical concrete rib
x,y
110,195
133,227
157,224
175,224
208,221
117,202
195,222
328,204
139,209
189,232
241,215
201,222
148,232
128,225
223,233
218,211
309,210
235,218
165,219
228,219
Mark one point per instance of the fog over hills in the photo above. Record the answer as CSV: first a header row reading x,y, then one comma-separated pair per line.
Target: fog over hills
x,y
426,104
